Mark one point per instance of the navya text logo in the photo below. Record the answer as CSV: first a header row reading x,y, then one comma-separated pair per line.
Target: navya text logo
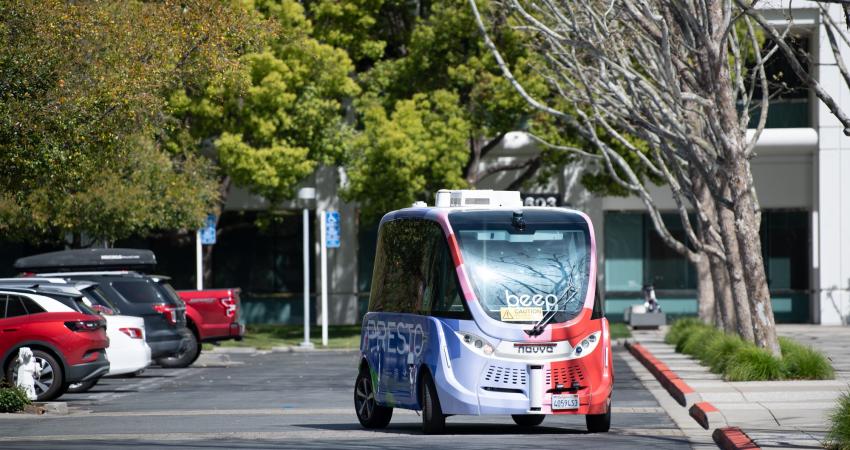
x,y
550,301
534,348
394,337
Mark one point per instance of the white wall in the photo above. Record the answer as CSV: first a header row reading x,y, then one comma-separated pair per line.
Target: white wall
x,y
833,191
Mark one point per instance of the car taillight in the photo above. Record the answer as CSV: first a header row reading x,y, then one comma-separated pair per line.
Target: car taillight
x,y
229,304
85,325
134,333
170,312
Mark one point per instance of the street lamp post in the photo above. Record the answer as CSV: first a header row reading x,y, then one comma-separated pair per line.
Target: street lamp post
x,y
305,195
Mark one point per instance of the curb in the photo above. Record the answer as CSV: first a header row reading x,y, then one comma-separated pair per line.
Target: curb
x,y
41,408
706,414
733,438
678,389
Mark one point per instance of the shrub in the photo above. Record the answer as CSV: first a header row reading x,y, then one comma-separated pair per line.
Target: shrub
x,y
720,350
680,329
739,360
12,399
839,430
693,342
750,363
803,362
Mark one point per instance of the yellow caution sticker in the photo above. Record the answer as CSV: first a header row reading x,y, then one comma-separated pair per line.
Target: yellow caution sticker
x,y
529,314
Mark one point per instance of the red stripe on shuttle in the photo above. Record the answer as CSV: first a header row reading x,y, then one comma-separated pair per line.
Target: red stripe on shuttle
x,y
455,248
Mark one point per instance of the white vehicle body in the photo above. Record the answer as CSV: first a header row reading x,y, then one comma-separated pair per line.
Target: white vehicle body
x,y
126,353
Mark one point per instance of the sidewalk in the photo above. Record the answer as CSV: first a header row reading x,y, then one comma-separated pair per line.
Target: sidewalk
x,y
775,414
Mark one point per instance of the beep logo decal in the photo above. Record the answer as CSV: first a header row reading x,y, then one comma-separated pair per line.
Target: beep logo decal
x,y
394,337
527,308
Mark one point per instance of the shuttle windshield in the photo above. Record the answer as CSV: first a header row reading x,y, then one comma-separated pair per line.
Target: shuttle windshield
x,y
532,267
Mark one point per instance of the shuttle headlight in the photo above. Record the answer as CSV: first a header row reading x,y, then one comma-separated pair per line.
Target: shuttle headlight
x,y
586,345
476,343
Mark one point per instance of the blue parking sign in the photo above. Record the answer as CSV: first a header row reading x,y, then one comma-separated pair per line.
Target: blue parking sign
x,y
208,231
332,229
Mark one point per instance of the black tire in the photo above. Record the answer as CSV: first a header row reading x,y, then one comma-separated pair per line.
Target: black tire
x,y
186,356
50,383
370,414
433,419
528,420
83,386
599,423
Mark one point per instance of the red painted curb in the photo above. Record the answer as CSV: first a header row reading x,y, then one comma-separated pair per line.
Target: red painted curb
x,y
699,411
733,438
674,385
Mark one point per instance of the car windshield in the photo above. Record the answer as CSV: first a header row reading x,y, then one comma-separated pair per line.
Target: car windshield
x,y
141,291
532,271
96,296
168,291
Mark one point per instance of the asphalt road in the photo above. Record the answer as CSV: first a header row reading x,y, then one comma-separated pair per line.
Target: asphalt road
x,y
304,401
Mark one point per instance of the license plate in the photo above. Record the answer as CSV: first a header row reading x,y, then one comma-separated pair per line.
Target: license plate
x,y
564,401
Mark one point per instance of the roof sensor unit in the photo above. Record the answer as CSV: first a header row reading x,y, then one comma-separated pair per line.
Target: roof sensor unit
x,y
477,198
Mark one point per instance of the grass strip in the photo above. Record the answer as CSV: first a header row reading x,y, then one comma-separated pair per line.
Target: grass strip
x,y
619,331
738,360
267,336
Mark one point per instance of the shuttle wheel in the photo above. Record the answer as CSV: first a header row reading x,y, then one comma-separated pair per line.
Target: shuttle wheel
x,y
369,412
599,423
433,419
528,420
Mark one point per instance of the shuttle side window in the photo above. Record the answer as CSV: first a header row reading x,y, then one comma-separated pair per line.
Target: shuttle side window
x,y
400,267
445,299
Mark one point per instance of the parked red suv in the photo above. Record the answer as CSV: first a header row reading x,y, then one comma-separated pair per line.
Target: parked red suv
x,y
213,314
70,346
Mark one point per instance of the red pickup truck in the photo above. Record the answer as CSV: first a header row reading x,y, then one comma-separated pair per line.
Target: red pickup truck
x,y
213,314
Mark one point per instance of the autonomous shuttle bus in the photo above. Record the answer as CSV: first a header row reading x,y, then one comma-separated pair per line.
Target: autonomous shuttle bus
x,y
481,306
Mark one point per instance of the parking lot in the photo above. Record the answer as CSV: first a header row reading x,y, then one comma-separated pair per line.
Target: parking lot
x,y
301,400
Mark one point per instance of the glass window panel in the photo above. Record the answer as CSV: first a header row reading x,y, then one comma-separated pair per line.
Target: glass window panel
x,y
624,251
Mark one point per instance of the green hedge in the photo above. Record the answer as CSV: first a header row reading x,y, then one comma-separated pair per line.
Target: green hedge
x,y
738,360
12,399
839,431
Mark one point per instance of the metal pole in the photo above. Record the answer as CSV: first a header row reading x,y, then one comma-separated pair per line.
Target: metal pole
x,y
199,262
306,232
324,263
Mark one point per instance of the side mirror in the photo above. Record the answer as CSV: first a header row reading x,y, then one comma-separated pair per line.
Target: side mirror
x,y
103,310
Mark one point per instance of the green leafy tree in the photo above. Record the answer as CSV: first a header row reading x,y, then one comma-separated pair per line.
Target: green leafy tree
x,y
434,102
271,122
81,102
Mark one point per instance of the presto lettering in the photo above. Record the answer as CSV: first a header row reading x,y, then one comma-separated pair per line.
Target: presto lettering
x,y
394,337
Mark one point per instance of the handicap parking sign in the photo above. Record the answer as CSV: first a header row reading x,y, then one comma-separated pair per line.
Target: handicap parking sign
x,y
332,229
208,231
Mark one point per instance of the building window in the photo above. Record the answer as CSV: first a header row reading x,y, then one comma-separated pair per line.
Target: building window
x,y
635,255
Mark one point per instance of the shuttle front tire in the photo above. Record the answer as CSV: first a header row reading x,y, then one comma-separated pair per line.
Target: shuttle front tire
x,y
599,423
433,419
528,420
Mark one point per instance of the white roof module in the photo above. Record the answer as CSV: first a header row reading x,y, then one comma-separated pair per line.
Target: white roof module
x,y
478,198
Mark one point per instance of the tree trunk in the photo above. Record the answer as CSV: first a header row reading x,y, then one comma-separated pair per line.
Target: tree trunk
x,y
724,305
705,289
735,271
749,241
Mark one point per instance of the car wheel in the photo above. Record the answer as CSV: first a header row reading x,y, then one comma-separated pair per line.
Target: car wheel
x,y
599,423
528,420
83,386
369,412
433,419
186,356
49,384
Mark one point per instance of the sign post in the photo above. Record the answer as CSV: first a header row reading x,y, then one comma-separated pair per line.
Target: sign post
x,y
324,268
204,236
306,194
329,229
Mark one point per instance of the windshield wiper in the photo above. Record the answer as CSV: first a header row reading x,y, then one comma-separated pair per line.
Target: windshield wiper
x,y
537,329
